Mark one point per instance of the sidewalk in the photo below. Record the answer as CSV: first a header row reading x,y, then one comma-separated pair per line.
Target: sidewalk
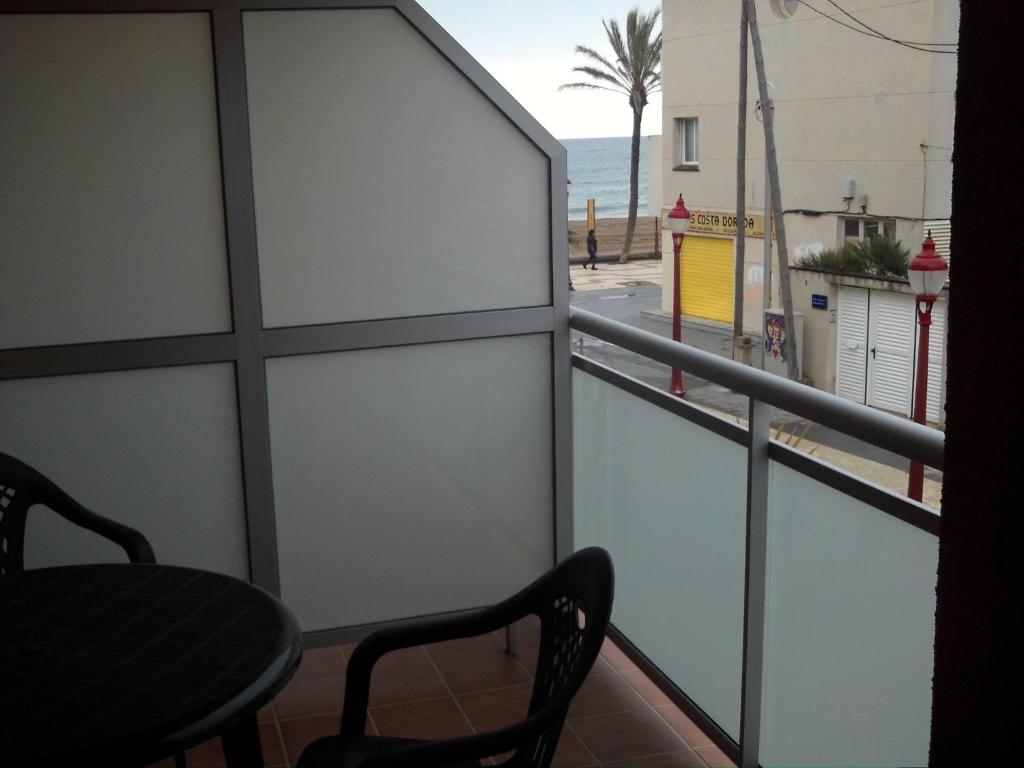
x,y
615,275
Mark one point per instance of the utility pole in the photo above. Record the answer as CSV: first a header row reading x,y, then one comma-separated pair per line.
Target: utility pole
x,y
766,259
741,184
792,364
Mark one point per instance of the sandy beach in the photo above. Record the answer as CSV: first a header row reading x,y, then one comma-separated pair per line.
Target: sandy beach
x,y
610,234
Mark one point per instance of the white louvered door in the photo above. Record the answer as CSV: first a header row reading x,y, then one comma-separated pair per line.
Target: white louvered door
x,y
876,354
852,349
891,332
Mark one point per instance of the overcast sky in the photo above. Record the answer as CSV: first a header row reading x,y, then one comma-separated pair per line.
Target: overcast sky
x,y
527,45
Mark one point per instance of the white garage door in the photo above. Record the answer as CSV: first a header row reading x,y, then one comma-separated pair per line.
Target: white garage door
x,y
852,349
891,326
876,351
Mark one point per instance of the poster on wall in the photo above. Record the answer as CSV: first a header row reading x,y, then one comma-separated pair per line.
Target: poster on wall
x,y
781,342
775,336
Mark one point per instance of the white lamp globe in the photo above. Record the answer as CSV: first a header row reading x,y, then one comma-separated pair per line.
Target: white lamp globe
x,y
679,218
927,271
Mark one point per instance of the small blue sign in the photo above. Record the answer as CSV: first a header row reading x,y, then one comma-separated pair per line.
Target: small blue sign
x,y
819,301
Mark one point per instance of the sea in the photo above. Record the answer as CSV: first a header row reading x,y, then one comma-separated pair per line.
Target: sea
x,y
599,169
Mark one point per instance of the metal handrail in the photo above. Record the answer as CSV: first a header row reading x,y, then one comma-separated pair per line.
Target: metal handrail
x,y
906,438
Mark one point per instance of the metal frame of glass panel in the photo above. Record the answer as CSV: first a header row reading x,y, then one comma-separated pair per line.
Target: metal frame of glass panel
x,y
875,427
250,344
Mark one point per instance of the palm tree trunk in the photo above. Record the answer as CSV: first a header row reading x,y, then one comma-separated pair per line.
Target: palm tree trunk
x,y
634,185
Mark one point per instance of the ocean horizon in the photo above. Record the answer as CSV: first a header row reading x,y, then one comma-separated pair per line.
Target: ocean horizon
x,y
599,169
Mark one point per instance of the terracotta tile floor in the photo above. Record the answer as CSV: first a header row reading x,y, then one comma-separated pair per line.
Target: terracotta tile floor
x,y
618,718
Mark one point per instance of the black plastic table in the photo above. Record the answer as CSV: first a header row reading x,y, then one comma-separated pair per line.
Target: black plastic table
x,y
126,664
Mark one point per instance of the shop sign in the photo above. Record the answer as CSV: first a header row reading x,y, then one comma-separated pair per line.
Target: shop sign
x,y
724,223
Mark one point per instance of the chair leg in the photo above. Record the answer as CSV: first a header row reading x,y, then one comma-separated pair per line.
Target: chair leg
x,y
181,760
511,635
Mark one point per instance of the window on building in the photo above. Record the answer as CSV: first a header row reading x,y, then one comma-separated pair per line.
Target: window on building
x,y
859,230
686,149
851,231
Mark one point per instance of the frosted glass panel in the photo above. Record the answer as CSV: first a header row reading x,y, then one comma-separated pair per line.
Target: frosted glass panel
x,y
386,184
411,480
111,220
850,628
156,449
667,498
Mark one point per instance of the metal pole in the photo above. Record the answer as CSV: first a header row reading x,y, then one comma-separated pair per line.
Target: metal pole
x,y
741,186
792,353
915,484
758,438
766,294
511,639
677,387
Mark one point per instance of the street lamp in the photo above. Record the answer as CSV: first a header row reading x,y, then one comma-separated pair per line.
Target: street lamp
x,y
927,272
678,223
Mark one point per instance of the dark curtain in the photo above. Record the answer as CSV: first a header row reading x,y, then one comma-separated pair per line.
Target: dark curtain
x,y
978,643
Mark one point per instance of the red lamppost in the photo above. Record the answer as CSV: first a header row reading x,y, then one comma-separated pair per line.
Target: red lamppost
x,y
927,272
678,223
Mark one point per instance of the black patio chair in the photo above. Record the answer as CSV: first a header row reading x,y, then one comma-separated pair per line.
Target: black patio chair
x,y
21,487
569,643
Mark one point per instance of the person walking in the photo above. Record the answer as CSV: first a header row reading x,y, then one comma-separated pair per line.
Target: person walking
x,y
591,250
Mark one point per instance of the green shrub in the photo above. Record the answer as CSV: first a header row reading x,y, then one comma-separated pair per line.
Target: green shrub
x,y
845,259
878,257
886,258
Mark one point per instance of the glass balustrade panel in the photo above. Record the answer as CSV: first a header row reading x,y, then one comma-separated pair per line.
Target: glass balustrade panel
x,y
667,498
111,203
411,480
155,448
849,630
386,185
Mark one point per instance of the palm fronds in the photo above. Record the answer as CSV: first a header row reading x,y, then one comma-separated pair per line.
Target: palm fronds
x,y
631,71
876,257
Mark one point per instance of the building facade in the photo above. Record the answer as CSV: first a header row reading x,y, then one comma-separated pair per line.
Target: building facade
x,y
864,137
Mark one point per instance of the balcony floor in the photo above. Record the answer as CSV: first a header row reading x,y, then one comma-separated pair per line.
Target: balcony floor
x,y
619,718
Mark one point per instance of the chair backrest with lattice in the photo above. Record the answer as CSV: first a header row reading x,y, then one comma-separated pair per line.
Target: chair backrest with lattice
x,y
16,496
574,606
22,487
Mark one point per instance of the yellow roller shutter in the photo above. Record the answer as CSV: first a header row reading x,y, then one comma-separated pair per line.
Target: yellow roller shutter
x,y
707,277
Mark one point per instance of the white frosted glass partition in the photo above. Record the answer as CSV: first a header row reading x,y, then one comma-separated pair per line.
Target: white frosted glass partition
x,y
411,480
850,630
111,215
386,184
156,449
667,499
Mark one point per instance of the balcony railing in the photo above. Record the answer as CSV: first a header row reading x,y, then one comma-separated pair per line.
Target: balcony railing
x,y
789,605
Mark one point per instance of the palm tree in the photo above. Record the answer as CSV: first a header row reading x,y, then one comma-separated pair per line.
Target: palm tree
x,y
634,73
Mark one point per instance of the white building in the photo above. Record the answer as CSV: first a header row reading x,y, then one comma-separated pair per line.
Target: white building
x,y
864,131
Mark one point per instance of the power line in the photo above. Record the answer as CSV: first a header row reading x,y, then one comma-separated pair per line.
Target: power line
x,y
874,33
842,10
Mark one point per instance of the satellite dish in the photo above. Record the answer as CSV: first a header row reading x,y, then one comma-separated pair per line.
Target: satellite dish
x,y
785,8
